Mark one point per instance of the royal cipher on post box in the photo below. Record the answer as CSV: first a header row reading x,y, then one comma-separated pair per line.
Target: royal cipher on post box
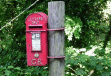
x,y
36,39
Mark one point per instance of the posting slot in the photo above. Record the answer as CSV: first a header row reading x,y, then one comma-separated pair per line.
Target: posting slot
x,y
35,26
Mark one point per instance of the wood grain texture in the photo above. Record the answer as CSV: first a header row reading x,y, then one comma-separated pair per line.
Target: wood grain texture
x,y
56,13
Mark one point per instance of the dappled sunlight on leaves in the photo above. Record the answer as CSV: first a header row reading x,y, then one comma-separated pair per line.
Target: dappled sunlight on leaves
x,y
73,26
82,61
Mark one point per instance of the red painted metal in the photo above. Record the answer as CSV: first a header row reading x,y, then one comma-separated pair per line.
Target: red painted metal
x,y
36,25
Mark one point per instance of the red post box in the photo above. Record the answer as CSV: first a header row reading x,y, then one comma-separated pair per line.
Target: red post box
x,y
36,39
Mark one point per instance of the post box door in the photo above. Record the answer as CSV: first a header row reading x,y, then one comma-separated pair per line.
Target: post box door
x,y
36,39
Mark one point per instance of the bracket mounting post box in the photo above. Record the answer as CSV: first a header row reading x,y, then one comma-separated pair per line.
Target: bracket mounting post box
x,y
36,39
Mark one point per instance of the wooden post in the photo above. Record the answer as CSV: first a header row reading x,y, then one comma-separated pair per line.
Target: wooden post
x,y
56,13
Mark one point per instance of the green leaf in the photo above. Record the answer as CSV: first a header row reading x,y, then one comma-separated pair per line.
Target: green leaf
x,y
99,67
3,67
93,63
80,72
7,72
18,68
106,74
10,67
76,62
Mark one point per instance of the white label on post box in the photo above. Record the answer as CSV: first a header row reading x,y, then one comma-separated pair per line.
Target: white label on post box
x,y
36,44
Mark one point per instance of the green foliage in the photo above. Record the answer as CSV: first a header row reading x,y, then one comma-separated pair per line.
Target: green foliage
x,y
12,44
85,36
80,72
83,64
12,71
73,26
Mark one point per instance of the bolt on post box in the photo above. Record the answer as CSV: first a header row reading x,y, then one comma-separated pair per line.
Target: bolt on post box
x,y
36,39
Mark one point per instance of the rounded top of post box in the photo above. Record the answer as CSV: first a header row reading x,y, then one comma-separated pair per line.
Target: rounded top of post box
x,y
36,18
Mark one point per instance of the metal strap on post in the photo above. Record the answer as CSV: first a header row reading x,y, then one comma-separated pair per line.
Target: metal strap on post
x,y
59,29
35,31
56,57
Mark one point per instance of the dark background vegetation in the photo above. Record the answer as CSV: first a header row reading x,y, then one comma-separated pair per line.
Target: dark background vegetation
x,y
87,38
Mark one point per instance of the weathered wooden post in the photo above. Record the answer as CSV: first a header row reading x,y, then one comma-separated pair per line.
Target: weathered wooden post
x,y
56,13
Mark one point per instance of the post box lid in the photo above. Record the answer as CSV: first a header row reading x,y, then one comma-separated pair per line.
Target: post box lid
x,y
36,18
